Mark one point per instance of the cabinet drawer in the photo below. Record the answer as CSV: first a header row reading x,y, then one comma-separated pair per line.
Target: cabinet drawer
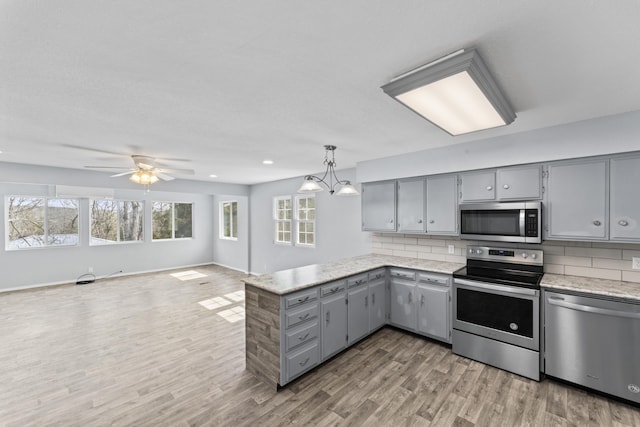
x,y
301,298
433,279
404,274
377,274
302,336
332,288
302,361
357,280
299,316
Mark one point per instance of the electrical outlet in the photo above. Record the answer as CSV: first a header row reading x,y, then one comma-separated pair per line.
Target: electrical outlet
x,y
90,269
452,249
635,263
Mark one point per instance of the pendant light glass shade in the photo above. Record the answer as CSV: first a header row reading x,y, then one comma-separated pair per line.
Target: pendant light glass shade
x,y
347,190
309,186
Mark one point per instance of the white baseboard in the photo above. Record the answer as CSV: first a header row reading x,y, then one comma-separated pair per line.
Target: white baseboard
x,y
231,268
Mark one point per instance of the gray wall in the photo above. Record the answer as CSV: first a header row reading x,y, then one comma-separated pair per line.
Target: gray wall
x,y
232,253
338,228
605,135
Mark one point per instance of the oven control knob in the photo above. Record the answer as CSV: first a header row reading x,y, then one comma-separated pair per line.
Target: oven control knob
x,y
478,251
534,256
525,255
471,251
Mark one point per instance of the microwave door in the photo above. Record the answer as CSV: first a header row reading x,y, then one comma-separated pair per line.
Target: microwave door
x,y
492,222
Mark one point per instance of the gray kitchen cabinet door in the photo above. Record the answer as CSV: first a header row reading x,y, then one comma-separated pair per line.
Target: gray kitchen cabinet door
x,y
379,206
377,304
433,311
411,205
521,183
442,209
625,198
478,186
334,324
402,304
577,200
358,313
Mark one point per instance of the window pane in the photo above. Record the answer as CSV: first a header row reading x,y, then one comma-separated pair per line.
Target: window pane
x,y
161,220
130,221
62,222
104,222
311,202
226,219
310,239
183,220
25,222
234,219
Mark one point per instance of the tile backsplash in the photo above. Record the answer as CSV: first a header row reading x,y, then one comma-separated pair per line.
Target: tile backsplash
x,y
601,260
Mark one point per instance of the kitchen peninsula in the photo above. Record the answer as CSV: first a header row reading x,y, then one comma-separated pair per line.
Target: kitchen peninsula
x,y
297,318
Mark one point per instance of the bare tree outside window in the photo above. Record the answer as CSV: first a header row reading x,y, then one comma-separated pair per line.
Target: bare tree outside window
x,y
172,220
116,221
39,221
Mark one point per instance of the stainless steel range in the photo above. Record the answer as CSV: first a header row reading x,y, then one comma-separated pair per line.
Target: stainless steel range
x,y
496,308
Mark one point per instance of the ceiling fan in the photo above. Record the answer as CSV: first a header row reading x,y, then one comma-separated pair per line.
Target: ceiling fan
x,y
146,170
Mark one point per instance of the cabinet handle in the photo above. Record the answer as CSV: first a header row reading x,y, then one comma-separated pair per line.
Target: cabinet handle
x,y
327,320
431,221
422,300
303,299
489,188
506,186
304,337
410,298
305,362
334,290
419,221
597,223
373,299
623,223
366,301
305,317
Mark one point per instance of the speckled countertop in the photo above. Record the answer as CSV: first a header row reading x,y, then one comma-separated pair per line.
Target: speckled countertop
x,y
295,279
588,285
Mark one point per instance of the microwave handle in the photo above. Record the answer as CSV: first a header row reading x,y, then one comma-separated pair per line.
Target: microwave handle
x,y
522,217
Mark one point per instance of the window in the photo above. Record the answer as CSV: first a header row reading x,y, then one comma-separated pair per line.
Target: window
x,y
114,221
39,221
229,220
172,220
282,215
306,216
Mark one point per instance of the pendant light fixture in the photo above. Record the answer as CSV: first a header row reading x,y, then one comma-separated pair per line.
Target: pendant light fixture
x,y
455,93
311,183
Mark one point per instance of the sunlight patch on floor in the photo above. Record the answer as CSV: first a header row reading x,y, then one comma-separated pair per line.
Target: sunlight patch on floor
x,y
188,275
236,296
213,303
232,315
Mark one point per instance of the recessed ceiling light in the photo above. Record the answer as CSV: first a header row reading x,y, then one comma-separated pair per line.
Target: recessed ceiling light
x,y
267,162
213,176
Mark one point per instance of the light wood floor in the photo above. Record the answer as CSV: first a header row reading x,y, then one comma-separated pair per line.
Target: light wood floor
x,y
142,351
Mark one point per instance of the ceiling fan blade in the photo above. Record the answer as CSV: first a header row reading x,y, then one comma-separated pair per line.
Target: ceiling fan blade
x,y
108,167
129,172
97,150
163,176
179,171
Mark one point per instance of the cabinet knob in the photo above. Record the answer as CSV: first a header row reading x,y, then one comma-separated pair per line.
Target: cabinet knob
x,y
597,223
390,221
431,221
489,188
623,223
506,186
419,221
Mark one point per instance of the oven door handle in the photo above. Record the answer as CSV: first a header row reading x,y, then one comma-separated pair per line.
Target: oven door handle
x,y
522,218
489,287
560,302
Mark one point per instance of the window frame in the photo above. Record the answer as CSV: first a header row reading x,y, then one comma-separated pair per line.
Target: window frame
x,y
45,223
118,241
221,233
305,221
277,221
173,221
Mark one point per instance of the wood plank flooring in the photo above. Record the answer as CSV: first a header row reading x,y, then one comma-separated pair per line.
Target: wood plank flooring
x,y
142,351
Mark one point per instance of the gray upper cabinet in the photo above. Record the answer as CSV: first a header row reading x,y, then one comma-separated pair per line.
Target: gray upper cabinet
x,y
379,206
411,205
478,186
576,202
520,183
625,198
442,206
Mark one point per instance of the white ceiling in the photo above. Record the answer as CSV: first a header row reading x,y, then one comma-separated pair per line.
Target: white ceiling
x,y
227,84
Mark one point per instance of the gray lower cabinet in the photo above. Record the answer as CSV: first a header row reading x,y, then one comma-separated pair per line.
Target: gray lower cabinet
x,y
434,306
593,342
358,313
379,206
442,207
576,201
333,309
625,199
402,295
377,304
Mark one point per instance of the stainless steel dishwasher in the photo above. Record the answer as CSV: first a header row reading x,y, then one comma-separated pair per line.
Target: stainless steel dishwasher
x,y
593,342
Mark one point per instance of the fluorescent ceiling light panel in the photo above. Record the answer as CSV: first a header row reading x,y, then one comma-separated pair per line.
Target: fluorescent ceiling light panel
x,y
455,93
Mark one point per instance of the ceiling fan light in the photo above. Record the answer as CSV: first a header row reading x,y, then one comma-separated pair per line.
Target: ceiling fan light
x,y
309,186
135,178
347,189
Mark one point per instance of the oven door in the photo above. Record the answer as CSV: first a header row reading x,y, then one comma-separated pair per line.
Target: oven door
x,y
505,313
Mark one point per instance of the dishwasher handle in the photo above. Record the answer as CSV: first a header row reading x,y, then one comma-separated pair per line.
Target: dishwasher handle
x,y
560,302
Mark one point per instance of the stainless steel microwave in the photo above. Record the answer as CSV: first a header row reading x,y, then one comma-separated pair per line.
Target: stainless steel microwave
x,y
518,222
